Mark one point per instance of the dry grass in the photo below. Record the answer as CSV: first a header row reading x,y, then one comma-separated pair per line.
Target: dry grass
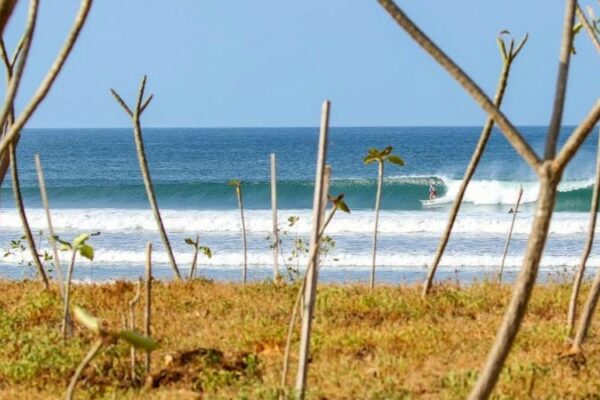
x,y
226,341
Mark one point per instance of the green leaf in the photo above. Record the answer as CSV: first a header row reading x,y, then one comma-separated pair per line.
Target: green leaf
x,y
65,247
234,182
79,240
370,159
190,242
139,341
88,320
87,251
373,152
342,206
387,151
395,160
207,251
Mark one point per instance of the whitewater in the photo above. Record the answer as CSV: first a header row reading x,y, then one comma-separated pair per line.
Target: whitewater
x,y
94,188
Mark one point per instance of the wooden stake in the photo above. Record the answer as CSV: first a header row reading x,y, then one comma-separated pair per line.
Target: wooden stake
x,y
148,309
312,274
51,234
275,233
510,231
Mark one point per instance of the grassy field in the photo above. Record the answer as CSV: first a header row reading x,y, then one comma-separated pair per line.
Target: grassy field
x,y
226,341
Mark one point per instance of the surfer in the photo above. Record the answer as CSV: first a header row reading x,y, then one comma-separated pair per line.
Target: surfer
x,y
432,191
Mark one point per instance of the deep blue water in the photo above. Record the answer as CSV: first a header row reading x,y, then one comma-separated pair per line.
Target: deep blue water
x,y
94,184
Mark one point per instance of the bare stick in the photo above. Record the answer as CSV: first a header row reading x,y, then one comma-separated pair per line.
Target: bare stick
x,y
132,303
21,209
48,81
17,73
148,309
141,153
510,132
275,233
507,60
195,257
94,350
510,231
572,312
51,234
66,322
240,199
577,138
6,9
586,24
312,274
561,80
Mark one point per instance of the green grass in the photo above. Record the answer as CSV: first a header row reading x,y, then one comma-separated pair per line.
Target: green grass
x,y
226,341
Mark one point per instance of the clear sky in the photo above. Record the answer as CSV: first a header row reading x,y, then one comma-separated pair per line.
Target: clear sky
x,y
272,62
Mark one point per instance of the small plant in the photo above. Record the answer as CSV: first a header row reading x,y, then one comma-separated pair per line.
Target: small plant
x,y
78,245
197,248
381,157
237,184
105,337
17,248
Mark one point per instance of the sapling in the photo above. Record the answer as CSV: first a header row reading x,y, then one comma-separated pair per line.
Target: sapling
x,y
196,245
148,308
338,203
78,245
508,53
105,337
381,157
510,231
135,116
237,184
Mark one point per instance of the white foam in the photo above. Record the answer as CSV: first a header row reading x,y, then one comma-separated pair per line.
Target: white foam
x,y
259,221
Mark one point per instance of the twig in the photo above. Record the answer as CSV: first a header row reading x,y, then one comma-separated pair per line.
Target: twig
x,y
510,231
51,234
66,323
588,28
46,84
572,311
507,59
21,209
143,162
510,132
275,230
132,303
577,138
17,73
148,309
94,350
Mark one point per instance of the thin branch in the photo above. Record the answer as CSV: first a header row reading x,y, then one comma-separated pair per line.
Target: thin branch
x,y
94,350
561,80
121,102
17,51
51,235
508,59
143,162
507,128
21,209
588,28
148,308
577,137
148,100
132,303
17,73
48,81
6,9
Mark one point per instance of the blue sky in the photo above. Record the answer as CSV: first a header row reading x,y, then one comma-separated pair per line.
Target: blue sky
x,y
271,62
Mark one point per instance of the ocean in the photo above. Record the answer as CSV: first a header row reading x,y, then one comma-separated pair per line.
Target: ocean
x,y
94,185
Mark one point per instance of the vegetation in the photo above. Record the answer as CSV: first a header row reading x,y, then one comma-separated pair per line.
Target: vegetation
x,y
381,157
383,344
237,184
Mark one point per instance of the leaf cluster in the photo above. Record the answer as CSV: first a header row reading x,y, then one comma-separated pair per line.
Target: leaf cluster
x,y
382,156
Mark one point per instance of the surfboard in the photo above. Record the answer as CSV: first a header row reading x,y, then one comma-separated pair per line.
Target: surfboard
x,y
431,203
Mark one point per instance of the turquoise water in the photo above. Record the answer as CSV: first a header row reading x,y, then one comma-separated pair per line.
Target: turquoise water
x,y
94,185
